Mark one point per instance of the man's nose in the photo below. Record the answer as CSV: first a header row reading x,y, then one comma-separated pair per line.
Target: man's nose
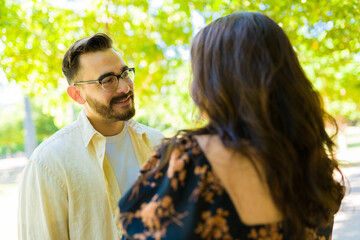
x,y
123,86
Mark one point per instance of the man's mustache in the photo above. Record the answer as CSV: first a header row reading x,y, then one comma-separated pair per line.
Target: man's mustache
x,y
122,97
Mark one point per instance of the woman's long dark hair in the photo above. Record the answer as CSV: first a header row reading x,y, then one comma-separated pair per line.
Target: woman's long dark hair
x,y
249,83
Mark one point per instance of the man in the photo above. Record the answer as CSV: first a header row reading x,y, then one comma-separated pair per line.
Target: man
x,y
74,179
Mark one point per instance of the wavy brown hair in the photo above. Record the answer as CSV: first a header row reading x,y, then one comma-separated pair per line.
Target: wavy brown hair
x,y
249,83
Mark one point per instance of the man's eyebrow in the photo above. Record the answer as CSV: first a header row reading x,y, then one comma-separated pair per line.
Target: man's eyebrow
x,y
102,76
124,68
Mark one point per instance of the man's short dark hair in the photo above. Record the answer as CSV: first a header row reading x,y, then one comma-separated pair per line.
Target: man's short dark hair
x,y
70,63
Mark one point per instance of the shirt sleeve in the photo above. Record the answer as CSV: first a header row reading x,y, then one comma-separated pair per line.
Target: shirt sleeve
x,y
43,204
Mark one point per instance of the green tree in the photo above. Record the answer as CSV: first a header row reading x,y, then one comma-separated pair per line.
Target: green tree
x,y
156,40
12,130
12,133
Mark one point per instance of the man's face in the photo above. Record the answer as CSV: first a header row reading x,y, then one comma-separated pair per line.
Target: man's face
x,y
117,105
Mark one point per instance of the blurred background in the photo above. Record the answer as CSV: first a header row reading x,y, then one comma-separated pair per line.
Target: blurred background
x,y
154,36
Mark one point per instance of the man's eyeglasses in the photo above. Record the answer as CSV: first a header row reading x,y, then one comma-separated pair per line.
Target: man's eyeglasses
x,y
110,81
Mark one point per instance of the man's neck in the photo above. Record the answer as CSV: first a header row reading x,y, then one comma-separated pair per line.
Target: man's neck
x,y
108,128
105,127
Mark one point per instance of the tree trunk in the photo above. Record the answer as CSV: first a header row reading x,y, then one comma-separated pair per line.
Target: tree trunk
x,y
29,129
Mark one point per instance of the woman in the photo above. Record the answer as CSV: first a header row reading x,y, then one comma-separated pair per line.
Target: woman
x,y
262,167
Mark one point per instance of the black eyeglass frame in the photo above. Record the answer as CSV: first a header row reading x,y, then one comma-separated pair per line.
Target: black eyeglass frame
x,y
107,75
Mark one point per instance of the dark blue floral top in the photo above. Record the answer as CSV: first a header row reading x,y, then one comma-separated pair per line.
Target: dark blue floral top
x,y
185,200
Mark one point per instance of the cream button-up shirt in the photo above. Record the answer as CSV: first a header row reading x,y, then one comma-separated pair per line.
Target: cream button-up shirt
x,y
68,190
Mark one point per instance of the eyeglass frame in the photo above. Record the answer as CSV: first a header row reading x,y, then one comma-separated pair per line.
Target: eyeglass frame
x,y
101,78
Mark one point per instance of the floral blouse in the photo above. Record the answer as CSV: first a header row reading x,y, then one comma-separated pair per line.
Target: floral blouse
x,y
185,200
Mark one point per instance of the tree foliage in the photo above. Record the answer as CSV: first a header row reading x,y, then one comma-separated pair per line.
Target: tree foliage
x,y
12,132
155,38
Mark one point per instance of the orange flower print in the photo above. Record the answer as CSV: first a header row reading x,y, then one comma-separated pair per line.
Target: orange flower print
x,y
147,214
187,143
196,150
208,186
152,209
155,215
117,221
177,162
267,232
151,163
312,235
214,226
200,170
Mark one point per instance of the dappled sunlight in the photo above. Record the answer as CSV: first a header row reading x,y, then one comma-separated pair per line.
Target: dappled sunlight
x,y
154,36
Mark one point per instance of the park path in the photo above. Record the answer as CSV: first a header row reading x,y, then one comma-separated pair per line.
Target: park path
x,y
346,227
10,170
347,220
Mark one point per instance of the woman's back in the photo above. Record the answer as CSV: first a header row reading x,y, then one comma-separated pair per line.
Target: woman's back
x,y
188,199
248,82
249,194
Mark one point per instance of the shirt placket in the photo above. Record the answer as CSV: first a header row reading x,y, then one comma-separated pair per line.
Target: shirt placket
x,y
112,191
99,143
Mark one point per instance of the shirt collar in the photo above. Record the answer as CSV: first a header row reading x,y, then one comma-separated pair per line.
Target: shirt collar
x,y
136,127
88,131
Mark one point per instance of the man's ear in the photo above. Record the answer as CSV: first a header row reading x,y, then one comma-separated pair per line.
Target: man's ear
x,y
74,93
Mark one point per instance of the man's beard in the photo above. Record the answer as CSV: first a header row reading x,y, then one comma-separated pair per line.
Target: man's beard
x,y
107,112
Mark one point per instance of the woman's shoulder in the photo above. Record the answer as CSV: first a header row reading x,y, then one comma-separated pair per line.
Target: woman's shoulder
x,y
184,145
174,167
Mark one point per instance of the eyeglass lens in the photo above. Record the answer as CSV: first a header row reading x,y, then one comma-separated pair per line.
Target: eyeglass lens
x,y
110,83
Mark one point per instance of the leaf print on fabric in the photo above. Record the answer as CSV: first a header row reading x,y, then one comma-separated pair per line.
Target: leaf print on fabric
x,y
312,235
155,215
214,226
156,235
267,232
208,185
189,143
136,188
206,209
177,162
151,163
117,221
